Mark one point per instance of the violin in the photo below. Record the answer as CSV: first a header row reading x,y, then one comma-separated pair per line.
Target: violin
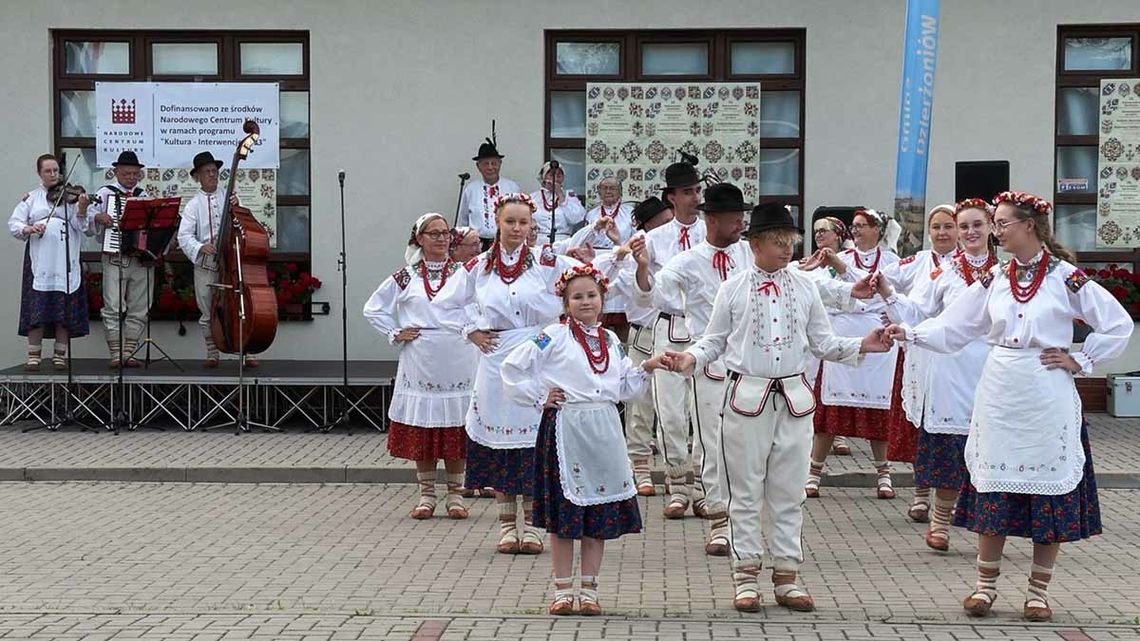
x,y
69,194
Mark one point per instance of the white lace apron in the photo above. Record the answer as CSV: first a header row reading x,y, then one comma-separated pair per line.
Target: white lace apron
x,y
866,385
952,386
592,462
434,380
1025,435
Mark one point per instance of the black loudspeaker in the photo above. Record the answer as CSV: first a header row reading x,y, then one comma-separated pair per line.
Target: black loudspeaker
x,y
842,213
980,179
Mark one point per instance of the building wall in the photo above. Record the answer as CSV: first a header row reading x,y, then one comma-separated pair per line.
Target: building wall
x,y
402,92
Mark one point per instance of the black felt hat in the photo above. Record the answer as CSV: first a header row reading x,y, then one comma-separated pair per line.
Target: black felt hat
x,y
647,210
682,174
723,197
203,159
127,159
487,150
769,216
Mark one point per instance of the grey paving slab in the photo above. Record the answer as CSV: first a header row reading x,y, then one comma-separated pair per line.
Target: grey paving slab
x,y
362,457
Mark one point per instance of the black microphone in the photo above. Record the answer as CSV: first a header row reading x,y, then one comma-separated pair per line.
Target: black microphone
x,y
554,165
465,176
340,176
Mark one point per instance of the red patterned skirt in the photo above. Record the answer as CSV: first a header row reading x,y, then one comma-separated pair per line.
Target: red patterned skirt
x,y
853,422
426,443
902,437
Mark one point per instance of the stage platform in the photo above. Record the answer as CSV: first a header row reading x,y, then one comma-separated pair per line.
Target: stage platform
x,y
189,396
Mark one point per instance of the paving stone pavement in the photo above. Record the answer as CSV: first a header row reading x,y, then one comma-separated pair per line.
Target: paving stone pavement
x,y
102,560
362,457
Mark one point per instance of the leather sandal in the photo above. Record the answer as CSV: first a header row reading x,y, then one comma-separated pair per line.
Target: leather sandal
x,y
588,605
938,540
884,489
424,510
841,448
531,541
790,595
1037,611
562,605
675,508
747,584
919,511
978,604
645,488
456,511
508,542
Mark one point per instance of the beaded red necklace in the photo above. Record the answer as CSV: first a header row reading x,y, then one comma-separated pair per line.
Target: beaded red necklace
x,y
875,265
612,214
971,273
546,205
1025,294
510,274
599,361
432,291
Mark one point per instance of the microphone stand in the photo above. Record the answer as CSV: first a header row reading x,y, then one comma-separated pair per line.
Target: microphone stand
x,y
69,416
341,418
463,178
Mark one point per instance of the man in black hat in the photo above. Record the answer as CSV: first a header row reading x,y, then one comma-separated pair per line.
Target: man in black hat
x,y
765,321
197,237
647,215
686,286
126,280
477,204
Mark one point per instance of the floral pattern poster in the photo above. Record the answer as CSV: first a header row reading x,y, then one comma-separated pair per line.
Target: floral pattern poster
x,y
1118,165
634,130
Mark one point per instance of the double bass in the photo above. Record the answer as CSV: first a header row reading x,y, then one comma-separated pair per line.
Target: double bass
x,y
244,306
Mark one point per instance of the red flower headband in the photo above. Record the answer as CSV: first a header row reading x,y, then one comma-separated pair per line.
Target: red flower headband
x,y
519,198
973,203
580,271
1026,200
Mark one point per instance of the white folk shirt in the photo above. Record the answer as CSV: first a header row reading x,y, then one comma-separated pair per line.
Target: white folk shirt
x,y
477,205
768,324
670,239
201,220
622,213
868,262
401,301
49,251
622,274
688,282
107,206
1045,321
567,214
529,301
555,359
914,275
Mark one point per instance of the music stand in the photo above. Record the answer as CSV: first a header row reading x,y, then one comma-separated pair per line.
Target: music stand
x,y
151,225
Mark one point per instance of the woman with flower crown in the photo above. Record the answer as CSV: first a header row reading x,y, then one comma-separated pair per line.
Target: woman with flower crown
x,y
949,380
1031,472
510,288
412,309
575,373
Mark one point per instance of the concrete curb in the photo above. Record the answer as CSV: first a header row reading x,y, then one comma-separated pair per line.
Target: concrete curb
x,y
345,474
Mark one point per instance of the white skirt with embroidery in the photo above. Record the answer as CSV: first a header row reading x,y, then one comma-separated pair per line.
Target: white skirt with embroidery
x,y
434,379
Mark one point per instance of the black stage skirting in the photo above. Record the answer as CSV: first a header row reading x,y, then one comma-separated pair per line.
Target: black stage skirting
x,y
95,370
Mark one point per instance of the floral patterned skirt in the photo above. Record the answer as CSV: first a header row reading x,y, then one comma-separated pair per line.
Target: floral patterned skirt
x,y
902,435
508,471
940,462
854,422
1043,518
426,443
565,519
48,309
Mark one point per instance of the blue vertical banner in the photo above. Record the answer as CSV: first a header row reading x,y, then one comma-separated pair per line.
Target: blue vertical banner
x,y
916,107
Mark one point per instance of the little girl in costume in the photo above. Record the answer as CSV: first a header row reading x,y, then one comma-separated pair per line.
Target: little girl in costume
x,y
577,372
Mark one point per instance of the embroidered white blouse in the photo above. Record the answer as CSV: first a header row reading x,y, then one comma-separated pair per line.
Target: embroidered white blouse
x,y
49,251
555,359
1046,320
766,324
528,301
401,301
477,205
